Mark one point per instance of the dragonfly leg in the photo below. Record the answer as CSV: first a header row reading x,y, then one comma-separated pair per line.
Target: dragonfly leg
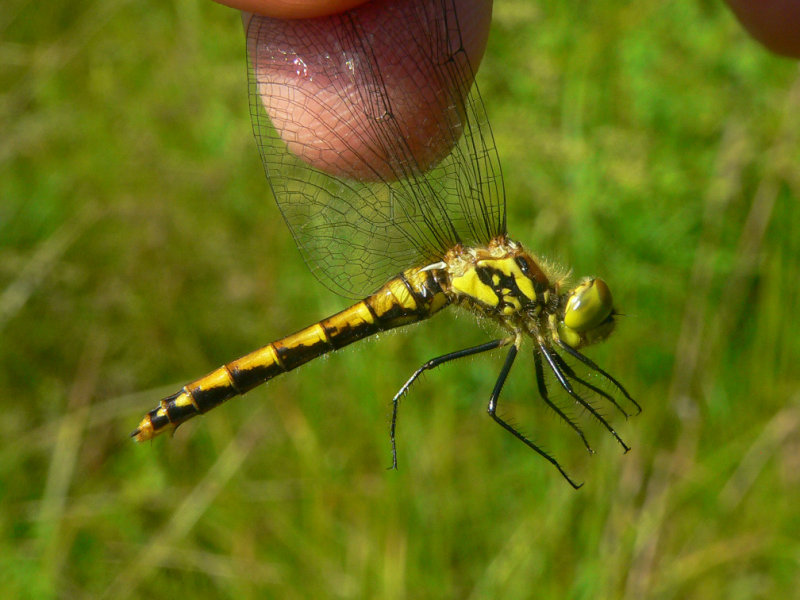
x,y
592,365
565,369
432,364
492,409
540,382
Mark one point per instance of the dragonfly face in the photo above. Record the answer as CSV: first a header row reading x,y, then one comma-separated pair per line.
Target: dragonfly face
x,y
588,314
371,214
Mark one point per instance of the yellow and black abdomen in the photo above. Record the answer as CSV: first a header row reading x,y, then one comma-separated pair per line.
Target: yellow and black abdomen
x,y
414,295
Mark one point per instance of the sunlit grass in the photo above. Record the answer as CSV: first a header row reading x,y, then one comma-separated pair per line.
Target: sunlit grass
x,y
652,144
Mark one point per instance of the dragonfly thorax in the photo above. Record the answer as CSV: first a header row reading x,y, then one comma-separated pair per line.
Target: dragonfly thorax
x,y
504,282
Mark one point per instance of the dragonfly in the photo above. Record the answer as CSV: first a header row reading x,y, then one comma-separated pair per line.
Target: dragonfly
x,y
406,227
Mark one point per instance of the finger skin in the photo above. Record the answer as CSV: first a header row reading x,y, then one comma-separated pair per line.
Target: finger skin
x,y
292,9
774,23
302,103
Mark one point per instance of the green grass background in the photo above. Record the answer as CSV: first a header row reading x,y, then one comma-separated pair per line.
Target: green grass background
x,y
652,143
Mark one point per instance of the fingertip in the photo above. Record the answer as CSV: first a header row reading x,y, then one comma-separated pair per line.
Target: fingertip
x,y
774,23
292,9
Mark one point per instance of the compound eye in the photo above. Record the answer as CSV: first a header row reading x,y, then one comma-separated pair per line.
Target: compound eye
x,y
588,306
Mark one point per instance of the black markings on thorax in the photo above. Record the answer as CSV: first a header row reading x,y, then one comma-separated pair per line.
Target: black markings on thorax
x,y
505,285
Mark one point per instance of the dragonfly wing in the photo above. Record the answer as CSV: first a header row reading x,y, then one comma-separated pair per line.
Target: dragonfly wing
x,y
374,139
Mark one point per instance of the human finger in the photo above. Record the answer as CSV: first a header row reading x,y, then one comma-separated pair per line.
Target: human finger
x,y
321,107
292,9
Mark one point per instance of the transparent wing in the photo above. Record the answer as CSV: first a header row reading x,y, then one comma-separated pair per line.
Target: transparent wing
x,y
374,139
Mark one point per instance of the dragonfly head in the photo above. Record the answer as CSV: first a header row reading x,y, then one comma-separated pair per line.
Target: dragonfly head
x,y
588,314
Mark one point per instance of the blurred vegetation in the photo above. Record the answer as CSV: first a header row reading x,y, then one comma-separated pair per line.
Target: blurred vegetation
x,y
651,143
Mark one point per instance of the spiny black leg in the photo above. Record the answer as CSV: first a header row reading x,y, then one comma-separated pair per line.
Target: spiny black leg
x,y
592,365
540,382
570,372
562,370
492,409
432,364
